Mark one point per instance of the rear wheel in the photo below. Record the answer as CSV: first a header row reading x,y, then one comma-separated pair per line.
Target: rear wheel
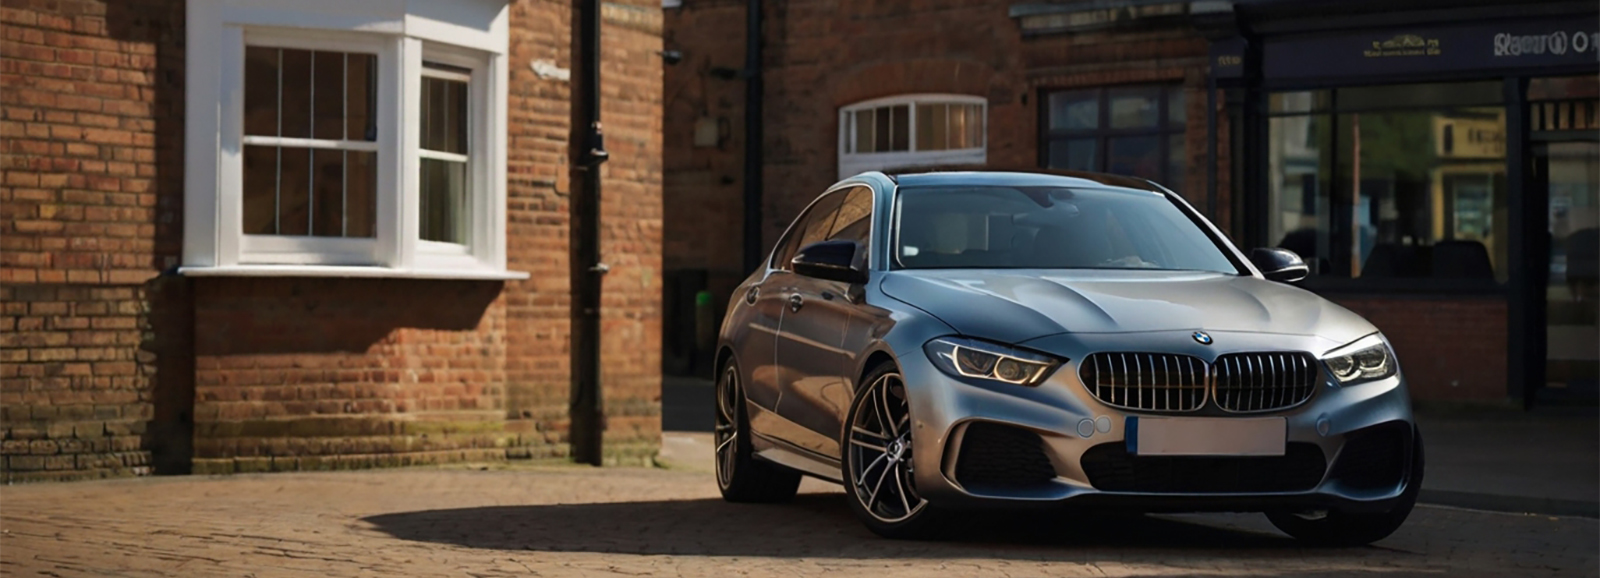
x,y
877,464
740,476
1338,528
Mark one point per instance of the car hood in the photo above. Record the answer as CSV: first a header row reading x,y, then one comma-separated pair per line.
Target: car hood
x,y
1016,305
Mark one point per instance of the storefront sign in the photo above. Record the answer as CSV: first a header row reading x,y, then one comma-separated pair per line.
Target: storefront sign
x,y
1511,45
1227,57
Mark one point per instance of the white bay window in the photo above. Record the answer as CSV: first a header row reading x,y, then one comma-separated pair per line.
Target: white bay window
x,y
346,139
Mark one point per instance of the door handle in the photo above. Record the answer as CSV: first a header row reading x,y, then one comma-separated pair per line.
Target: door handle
x,y
750,296
795,302
828,295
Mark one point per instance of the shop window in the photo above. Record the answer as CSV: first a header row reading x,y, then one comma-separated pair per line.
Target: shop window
x,y
1136,131
342,151
909,131
1415,189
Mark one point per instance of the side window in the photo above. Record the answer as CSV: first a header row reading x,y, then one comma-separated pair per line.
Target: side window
x,y
855,217
811,227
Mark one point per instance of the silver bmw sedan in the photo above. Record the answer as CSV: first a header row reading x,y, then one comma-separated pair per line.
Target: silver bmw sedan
x,y
946,341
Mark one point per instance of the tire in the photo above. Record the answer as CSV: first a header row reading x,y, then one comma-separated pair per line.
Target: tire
x,y
1356,528
741,477
884,448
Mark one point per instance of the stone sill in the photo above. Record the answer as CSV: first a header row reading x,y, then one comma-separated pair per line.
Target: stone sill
x,y
349,271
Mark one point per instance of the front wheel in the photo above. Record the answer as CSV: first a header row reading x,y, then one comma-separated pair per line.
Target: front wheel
x,y
877,464
1336,528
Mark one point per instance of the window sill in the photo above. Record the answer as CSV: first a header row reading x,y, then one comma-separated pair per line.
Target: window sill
x,y
350,272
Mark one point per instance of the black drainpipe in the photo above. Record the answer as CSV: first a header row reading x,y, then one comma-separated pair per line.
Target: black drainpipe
x,y
752,137
588,420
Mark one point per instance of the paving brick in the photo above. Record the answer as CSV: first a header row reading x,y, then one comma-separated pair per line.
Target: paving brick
x,y
634,521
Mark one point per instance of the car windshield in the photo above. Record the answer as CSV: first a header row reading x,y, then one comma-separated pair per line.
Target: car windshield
x,y
995,227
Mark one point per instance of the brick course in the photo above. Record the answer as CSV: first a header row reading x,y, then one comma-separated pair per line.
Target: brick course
x,y
111,364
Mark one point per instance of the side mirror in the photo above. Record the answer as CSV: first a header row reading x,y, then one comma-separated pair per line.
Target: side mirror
x,y
1280,265
832,260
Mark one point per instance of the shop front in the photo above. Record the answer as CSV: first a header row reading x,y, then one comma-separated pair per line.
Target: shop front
x,y
1441,173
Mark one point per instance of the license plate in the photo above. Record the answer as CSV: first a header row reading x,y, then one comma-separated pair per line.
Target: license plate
x,y
1262,436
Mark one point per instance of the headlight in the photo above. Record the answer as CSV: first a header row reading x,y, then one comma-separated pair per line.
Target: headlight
x,y
1364,359
964,357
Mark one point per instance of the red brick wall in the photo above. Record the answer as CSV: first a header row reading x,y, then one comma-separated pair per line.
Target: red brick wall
x,y
1450,348
91,340
704,217
631,228
109,367
323,373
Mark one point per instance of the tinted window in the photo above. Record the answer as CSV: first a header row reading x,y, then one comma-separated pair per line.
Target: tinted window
x,y
1050,228
811,227
854,222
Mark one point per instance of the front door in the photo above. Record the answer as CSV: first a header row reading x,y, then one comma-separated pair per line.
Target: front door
x,y
1569,173
816,367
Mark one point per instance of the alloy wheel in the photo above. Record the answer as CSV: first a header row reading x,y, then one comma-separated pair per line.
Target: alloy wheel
x,y
727,427
879,453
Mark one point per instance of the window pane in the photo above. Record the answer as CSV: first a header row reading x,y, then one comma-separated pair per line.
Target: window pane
x,y
1299,209
444,115
864,126
444,201
974,126
1134,107
881,130
260,190
327,187
360,192
1177,113
819,222
1138,156
361,76
1075,154
1429,193
1306,101
932,127
1176,161
855,217
294,191
260,91
327,102
281,202
1076,110
1564,87
901,124
296,93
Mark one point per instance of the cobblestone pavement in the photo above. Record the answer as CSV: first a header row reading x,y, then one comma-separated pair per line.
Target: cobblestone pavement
x,y
573,521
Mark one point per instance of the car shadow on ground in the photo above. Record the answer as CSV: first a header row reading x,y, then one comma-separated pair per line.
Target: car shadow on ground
x,y
813,525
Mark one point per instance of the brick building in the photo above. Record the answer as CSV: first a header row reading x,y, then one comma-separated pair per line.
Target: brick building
x,y
251,235
1434,160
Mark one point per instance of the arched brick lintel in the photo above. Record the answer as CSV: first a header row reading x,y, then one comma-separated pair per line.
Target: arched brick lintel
x,y
944,76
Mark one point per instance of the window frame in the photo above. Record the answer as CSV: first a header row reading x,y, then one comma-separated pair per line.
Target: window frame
x,y
853,163
305,250
402,34
439,254
1164,129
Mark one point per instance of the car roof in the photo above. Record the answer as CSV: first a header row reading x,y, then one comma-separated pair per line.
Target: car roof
x,y
1020,179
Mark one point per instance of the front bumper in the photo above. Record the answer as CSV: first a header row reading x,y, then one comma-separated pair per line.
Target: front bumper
x,y
1082,440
